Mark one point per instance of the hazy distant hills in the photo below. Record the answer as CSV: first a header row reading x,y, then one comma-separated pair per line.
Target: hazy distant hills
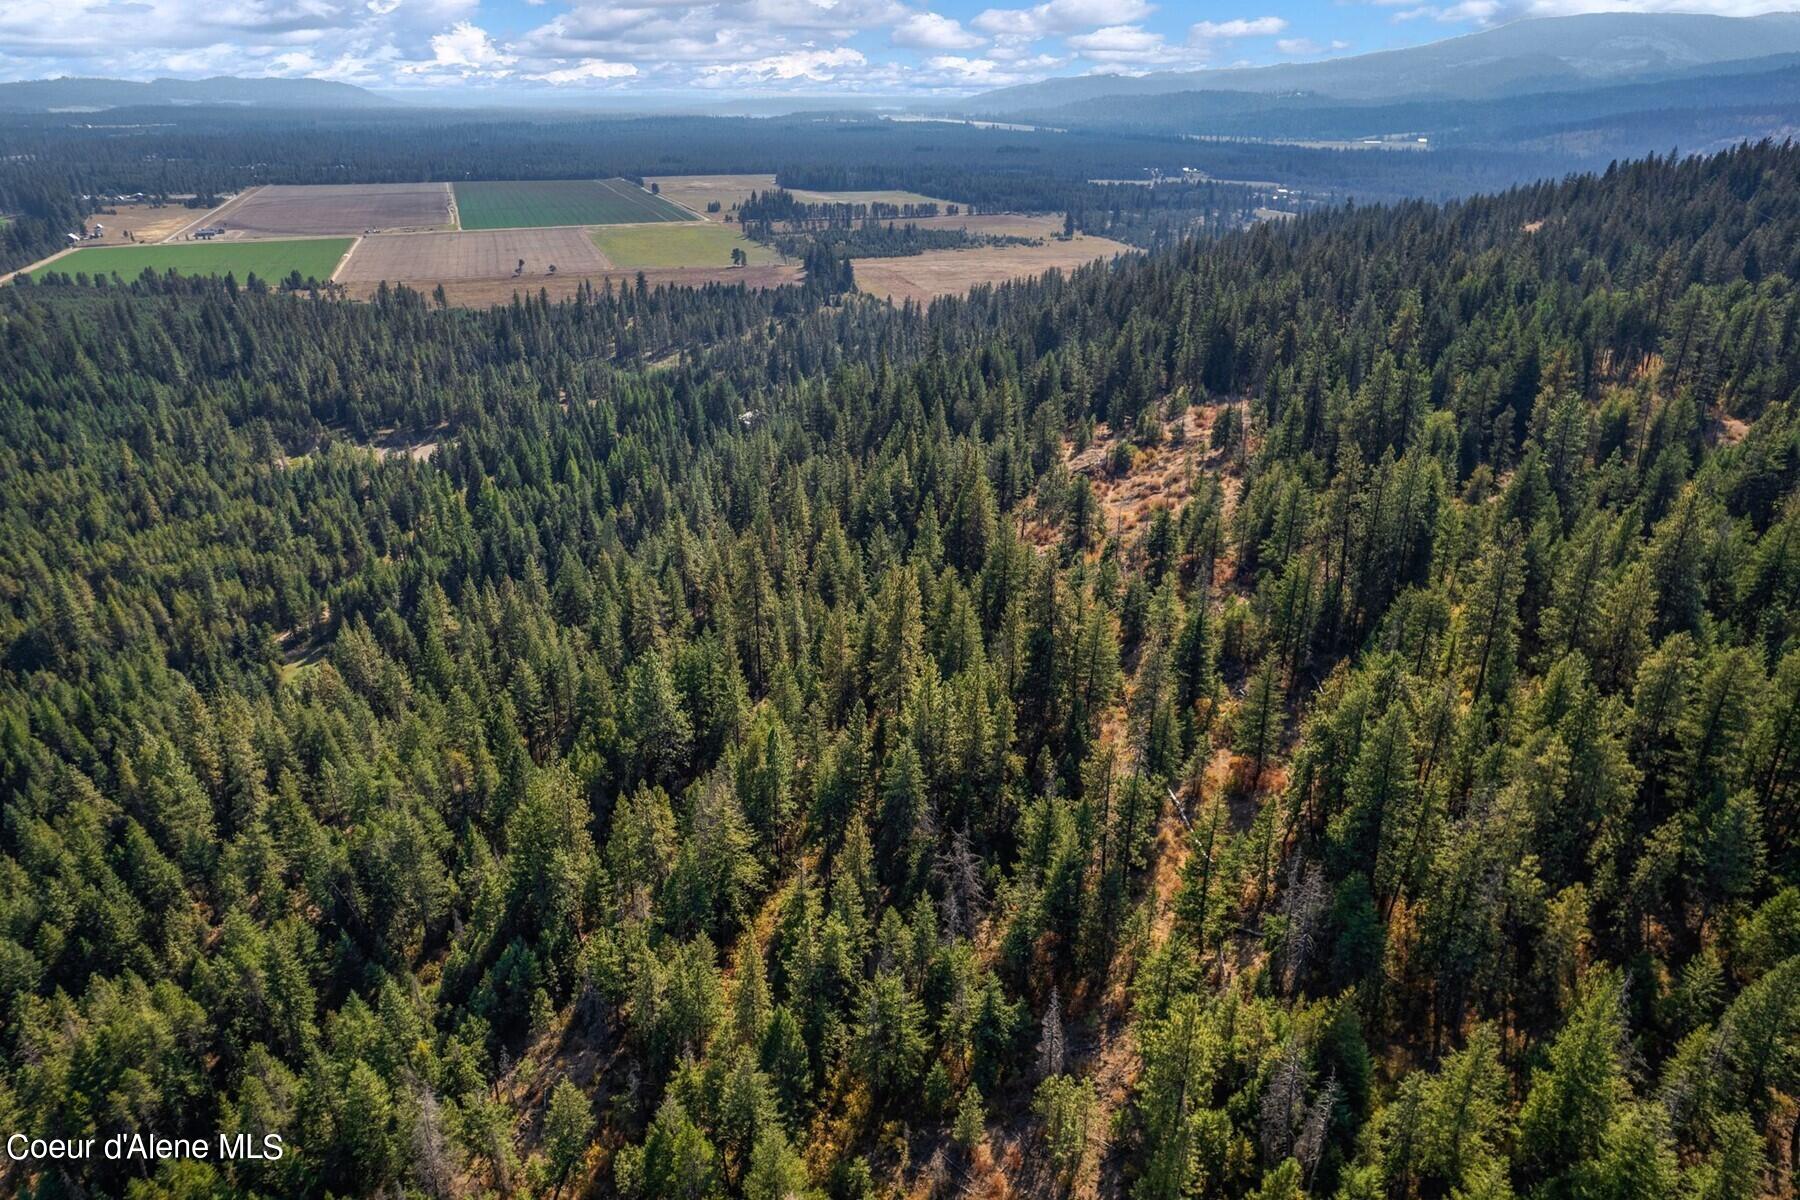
x,y
1767,85
1544,55
44,95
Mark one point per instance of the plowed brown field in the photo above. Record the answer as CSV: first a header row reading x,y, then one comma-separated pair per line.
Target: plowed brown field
x,y
431,258
281,211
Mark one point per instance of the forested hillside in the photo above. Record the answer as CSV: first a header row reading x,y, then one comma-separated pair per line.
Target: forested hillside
x,y
779,745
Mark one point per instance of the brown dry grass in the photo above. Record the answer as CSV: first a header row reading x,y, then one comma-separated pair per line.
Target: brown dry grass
x,y
697,191
1161,476
426,259
144,223
923,277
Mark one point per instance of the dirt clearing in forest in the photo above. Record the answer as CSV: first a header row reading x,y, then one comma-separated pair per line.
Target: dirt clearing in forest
x,y
143,222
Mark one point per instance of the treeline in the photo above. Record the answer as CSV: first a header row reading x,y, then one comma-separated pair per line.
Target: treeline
x,y
37,215
753,763
783,207
884,239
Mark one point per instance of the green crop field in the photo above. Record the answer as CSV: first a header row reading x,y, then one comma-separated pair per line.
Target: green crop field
x,y
692,245
314,258
523,204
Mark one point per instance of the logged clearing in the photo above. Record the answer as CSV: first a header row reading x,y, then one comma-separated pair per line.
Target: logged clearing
x,y
517,204
697,191
314,258
484,293
431,258
277,211
952,272
689,245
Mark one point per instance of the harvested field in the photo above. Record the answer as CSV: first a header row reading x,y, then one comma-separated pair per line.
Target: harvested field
x,y
687,245
336,208
697,191
425,259
952,272
484,293
532,203
314,258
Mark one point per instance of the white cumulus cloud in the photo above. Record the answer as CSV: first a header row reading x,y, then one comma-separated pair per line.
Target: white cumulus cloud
x,y
1240,27
814,66
586,71
932,31
1061,16
1127,45
464,49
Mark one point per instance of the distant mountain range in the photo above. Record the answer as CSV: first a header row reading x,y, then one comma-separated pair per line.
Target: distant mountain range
x,y
71,94
1770,85
1549,54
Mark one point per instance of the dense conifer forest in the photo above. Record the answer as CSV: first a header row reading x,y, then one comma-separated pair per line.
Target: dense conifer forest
x,y
714,743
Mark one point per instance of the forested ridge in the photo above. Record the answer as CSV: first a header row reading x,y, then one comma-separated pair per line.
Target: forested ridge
x,y
774,745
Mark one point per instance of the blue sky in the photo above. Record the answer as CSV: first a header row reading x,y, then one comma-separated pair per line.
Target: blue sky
x,y
465,49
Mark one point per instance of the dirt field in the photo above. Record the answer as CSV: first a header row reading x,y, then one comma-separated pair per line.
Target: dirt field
x,y
143,223
426,259
483,293
697,191
951,272
281,211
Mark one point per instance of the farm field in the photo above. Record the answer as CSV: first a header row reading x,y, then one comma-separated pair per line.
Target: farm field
x,y
517,204
314,258
141,221
950,272
284,211
697,191
431,258
690,245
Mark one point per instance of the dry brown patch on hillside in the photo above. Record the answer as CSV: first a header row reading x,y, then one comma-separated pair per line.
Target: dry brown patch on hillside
x,y
1160,476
